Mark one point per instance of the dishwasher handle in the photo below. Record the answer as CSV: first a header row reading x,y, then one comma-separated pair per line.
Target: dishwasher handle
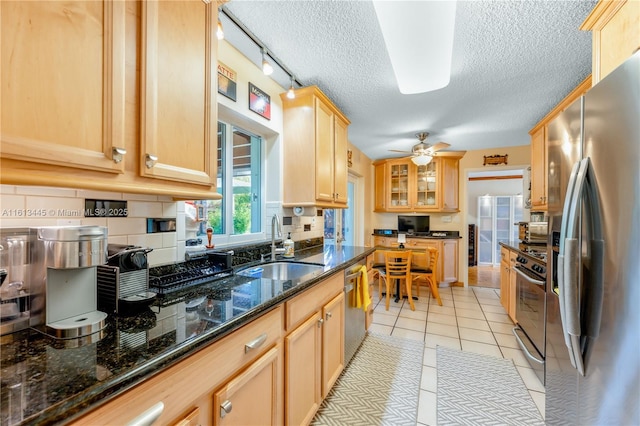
x,y
351,277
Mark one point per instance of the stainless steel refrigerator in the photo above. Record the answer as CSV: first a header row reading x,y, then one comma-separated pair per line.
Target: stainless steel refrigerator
x,y
593,288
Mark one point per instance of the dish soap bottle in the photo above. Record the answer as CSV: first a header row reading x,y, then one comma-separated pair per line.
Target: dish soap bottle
x,y
288,246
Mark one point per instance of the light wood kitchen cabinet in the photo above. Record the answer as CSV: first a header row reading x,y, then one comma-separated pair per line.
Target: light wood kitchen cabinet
x,y
504,278
402,186
63,95
615,27
314,130
513,293
508,275
314,348
187,388
540,146
539,169
125,86
332,342
447,272
450,261
236,402
303,365
380,184
178,94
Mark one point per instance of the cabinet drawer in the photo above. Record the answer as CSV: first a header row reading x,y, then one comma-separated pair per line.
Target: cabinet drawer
x,y
301,307
181,386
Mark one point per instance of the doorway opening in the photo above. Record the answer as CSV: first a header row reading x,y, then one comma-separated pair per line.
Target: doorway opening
x,y
495,203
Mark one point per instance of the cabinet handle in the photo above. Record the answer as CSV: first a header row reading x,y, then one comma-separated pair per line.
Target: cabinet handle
x,y
255,343
328,315
148,417
320,321
225,408
117,154
150,160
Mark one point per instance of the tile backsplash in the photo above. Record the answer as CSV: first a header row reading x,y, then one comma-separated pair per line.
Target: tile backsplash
x,y
27,206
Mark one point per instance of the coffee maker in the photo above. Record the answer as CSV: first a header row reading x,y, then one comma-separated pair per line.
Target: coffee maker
x,y
64,262
123,283
14,279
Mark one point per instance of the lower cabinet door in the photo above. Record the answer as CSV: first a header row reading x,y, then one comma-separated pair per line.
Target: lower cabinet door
x,y
302,371
332,342
251,398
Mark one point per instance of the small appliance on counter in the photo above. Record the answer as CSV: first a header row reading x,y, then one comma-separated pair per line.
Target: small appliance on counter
x,y
123,283
14,279
532,232
64,263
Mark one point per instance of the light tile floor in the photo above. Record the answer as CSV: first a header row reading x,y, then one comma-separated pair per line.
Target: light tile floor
x,y
471,319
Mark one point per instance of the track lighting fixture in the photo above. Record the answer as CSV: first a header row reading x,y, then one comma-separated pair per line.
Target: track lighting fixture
x,y
267,69
291,94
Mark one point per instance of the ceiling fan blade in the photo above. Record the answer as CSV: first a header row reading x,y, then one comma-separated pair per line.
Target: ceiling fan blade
x,y
439,146
397,150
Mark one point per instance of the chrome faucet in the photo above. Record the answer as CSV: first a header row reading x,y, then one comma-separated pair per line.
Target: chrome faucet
x,y
275,227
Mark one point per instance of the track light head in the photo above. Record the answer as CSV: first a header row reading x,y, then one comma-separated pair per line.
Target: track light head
x,y
267,69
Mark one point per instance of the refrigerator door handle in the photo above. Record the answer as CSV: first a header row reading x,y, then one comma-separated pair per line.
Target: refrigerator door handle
x,y
572,258
562,280
581,296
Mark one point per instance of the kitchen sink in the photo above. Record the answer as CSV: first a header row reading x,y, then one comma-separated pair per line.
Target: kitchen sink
x,y
282,270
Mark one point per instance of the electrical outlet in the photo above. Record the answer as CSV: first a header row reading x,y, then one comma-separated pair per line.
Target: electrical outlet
x,y
446,219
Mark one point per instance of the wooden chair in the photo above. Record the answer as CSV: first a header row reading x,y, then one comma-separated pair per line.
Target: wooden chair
x,y
426,271
397,267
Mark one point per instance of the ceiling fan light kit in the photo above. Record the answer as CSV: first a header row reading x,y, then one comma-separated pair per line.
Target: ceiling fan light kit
x,y
421,48
422,152
422,159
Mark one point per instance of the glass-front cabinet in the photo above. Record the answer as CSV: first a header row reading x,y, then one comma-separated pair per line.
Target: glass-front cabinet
x,y
412,187
402,186
399,178
426,186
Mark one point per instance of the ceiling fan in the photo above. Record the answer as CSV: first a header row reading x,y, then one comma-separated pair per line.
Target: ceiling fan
x,y
422,152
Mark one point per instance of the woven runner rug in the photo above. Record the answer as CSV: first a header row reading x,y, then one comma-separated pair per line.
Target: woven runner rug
x,y
380,386
476,389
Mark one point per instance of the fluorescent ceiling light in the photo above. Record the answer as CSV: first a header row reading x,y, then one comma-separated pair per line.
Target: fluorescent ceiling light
x,y
419,40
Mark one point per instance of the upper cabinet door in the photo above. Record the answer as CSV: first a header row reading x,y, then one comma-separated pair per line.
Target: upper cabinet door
x,y
178,106
324,152
62,83
340,162
539,169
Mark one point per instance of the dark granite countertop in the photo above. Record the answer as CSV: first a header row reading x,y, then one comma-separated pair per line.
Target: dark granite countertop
x,y
422,237
45,381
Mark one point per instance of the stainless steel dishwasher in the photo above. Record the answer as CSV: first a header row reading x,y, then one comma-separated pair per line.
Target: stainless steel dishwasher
x,y
354,318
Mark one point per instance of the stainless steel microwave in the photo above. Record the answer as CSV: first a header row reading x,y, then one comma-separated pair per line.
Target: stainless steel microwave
x,y
532,232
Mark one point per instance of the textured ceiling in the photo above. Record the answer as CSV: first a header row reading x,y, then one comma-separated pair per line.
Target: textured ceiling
x,y
513,61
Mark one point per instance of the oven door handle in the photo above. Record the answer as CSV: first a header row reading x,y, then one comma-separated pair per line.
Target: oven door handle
x,y
524,347
528,278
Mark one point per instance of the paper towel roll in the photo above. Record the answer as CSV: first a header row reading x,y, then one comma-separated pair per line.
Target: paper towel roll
x,y
304,211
